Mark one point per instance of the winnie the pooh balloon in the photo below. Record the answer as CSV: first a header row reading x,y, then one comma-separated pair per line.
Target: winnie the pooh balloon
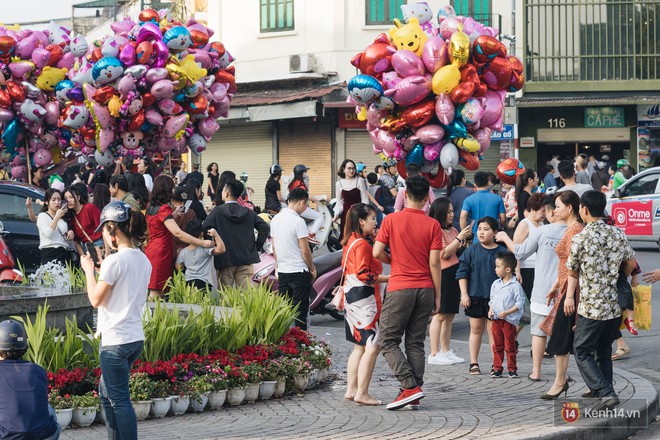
x,y
409,36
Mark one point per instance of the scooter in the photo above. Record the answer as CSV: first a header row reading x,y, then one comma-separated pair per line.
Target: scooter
x,y
329,231
8,272
328,276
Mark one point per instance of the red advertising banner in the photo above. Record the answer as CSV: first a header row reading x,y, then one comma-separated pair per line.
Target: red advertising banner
x,y
348,119
635,218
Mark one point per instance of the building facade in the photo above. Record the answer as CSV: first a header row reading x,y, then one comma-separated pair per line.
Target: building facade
x,y
292,63
592,70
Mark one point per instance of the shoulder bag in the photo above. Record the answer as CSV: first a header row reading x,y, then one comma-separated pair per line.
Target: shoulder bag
x,y
339,296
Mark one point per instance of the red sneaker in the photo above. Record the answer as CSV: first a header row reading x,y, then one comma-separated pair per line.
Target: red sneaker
x,y
414,405
405,397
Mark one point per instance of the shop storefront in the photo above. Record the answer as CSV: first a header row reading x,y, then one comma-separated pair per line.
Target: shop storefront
x,y
568,131
242,147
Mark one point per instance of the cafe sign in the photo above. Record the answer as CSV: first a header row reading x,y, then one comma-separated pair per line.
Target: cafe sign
x,y
604,117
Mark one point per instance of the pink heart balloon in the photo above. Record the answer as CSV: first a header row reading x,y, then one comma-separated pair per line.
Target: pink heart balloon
x,y
153,117
406,63
435,54
430,133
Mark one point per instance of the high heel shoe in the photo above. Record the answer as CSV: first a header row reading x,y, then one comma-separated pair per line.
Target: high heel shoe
x,y
630,325
548,396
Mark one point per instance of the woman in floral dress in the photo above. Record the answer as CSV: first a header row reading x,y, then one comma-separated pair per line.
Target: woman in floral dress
x,y
557,324
363,303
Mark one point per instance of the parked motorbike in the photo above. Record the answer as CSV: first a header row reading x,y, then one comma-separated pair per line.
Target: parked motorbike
x,y
8,271
328,276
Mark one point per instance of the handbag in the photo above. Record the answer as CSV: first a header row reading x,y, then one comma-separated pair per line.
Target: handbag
x,y
643,311
339,296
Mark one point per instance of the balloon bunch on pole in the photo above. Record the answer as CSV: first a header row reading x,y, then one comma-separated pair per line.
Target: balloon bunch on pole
x,y
153,87
432,94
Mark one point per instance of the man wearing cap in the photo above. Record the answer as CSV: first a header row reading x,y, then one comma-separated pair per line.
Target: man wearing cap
x,y
388,182
24,409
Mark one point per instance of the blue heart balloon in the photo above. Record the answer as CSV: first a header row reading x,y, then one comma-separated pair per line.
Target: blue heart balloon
x,y
456,129
10,137
416,155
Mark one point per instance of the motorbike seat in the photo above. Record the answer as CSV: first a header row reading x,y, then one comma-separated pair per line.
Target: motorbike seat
x,y
326,263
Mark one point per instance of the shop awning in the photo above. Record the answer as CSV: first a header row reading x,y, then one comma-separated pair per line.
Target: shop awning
x,y
579,101
281,95
97,4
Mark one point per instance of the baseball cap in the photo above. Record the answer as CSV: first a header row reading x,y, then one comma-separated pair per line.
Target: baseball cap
x,y
114,212
606,157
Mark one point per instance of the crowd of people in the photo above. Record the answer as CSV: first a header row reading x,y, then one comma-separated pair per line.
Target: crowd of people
x,y
523,253
526,254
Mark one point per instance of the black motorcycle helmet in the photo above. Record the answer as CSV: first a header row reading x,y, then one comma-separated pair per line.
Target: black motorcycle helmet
x,y
299,169
276,170
12,336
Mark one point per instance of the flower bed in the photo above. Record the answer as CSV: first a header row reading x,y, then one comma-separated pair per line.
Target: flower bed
x,y
192,374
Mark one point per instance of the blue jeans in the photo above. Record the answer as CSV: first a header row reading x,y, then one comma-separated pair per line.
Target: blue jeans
x,y
116,363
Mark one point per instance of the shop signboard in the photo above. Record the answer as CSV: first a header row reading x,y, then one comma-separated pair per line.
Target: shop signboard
x,y
506,134
648,115
600,117
635,218
348,119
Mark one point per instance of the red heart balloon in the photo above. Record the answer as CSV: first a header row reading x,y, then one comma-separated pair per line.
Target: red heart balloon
x,y
104,94
419,114
56,54
148,99
16,91
199,38
401,169
470,161
5,99
148,15
136,121
143,52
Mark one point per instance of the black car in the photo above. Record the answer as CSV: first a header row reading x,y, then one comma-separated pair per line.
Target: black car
x,y
23,237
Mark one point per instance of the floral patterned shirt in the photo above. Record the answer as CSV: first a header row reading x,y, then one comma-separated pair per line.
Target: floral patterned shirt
x,y
597,252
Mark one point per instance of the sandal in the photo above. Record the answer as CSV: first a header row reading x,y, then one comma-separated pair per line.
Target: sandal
x,y
621,352
474,369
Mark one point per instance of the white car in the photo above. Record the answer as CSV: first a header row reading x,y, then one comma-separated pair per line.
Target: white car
x,y
635,206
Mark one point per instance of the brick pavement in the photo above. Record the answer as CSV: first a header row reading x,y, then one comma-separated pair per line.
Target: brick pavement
x,y
457,406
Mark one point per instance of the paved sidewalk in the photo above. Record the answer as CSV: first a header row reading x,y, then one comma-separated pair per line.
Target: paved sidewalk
x,y
457,405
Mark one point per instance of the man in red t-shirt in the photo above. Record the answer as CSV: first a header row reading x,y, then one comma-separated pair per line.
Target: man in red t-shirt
x,y
413,292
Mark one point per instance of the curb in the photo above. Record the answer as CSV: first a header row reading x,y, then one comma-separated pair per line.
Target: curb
x,y
613,429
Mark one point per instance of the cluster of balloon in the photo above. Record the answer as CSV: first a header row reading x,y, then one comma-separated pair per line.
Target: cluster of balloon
x,y
155,86
432,94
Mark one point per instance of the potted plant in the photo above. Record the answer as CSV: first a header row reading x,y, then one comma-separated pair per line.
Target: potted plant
x,y
301,371
84,408
236,381
269,382
254,372
277,370
141,387
199,392
63,407
217,378
180,392
161,399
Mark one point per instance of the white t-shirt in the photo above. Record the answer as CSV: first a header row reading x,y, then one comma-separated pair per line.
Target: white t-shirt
x,y
120,316
148,182
578,188
48,237
286,228
199,264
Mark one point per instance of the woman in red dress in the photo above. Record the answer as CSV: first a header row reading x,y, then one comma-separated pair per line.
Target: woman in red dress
x,y
83,218
162,230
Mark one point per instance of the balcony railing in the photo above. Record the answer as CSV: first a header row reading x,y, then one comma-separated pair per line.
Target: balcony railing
x,y
600,44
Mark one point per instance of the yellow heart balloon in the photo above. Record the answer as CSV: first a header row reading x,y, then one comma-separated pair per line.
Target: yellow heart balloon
x,y
362,115
445,79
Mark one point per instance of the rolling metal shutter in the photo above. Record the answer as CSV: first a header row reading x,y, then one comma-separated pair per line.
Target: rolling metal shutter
x,y
242,147
488,164
302,141
359,148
